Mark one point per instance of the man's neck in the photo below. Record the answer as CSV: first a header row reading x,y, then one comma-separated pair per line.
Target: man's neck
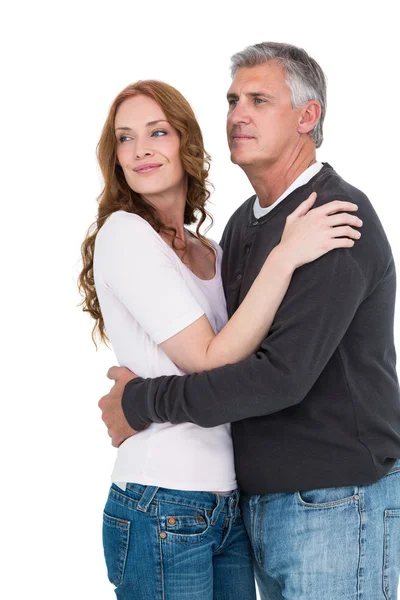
x,y
270,182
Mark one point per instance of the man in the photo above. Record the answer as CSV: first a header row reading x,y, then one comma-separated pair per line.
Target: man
x,y
315,412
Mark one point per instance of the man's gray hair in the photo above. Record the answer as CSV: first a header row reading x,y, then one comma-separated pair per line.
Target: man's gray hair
x,y
304,76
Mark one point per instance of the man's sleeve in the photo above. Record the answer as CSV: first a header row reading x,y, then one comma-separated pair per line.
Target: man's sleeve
x,y
318,308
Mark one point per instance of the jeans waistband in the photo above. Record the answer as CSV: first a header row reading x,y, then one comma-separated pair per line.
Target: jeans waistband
x,y
213,503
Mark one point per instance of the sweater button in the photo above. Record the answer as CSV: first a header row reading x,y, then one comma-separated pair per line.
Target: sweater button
x,y
238,277
254,223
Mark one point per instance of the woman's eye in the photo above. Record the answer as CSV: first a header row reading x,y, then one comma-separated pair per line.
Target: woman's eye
x,y
159,133
123,138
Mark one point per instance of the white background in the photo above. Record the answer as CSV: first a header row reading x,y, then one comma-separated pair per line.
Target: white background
x,y
62,65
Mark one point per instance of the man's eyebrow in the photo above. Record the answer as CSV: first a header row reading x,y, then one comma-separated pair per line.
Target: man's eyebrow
x,y
149,124
261,94
232,96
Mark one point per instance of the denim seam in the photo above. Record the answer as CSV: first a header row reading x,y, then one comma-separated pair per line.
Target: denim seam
x,y
182,516
385,553
152,505
224,535
161,558
185,543
388,514
193,537
122,550
261,545
354,410
151,510
173,535
253,520
200,507
322,505
115,522
392,472
361,544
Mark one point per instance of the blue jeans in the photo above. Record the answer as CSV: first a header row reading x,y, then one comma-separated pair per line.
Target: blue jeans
x,y
162,544
327,544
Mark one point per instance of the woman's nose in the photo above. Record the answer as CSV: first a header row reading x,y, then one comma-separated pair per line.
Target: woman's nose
x,y
141,152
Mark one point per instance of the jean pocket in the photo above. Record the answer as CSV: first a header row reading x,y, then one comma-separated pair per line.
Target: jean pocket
x,y
327,497
115,543
391,558
183,523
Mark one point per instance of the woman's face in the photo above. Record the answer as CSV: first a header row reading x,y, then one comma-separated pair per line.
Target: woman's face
x,y
148,147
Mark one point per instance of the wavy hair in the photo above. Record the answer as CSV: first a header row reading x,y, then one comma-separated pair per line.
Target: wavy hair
x,y
117,195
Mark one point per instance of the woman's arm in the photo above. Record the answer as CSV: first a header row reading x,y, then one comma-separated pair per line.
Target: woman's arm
x,y
308,234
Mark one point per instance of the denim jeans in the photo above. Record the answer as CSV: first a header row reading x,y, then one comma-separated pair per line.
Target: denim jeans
x,y
162,544
327,544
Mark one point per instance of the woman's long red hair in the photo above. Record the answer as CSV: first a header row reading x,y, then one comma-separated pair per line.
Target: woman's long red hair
x,y
117,195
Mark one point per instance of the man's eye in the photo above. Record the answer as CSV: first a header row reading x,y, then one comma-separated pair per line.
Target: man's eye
x,y
259,101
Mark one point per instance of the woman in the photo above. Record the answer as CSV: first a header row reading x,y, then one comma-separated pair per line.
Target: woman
x,y
172,527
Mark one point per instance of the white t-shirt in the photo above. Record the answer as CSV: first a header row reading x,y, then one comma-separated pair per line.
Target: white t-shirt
x,y
146,296
302,179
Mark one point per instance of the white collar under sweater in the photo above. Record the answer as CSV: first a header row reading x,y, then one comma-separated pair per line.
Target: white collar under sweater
x,y
302,179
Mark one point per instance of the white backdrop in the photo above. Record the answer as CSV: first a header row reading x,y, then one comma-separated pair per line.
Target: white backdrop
x,y
62,65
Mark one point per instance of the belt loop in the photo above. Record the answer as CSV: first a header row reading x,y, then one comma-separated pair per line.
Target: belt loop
x,y
233,503
147,498
217,510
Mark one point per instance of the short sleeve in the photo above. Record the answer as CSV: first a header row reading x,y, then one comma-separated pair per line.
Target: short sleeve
x,y
133,261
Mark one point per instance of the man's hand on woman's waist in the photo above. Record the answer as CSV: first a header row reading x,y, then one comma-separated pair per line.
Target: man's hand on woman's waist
x,y
110,404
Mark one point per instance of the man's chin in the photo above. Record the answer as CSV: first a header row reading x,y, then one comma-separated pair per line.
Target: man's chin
x,y
241,159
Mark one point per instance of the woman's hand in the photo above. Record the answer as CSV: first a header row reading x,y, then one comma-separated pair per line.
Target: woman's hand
x,y
309,234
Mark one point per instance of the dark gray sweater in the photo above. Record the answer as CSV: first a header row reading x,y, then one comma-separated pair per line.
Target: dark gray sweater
x,y
318,405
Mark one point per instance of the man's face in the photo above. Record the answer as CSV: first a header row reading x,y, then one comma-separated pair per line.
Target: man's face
x,y
261,123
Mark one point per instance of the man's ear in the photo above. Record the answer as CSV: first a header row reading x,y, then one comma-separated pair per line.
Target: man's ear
x,y
309,116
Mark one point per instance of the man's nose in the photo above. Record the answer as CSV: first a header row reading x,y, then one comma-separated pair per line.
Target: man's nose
x,y
239,114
